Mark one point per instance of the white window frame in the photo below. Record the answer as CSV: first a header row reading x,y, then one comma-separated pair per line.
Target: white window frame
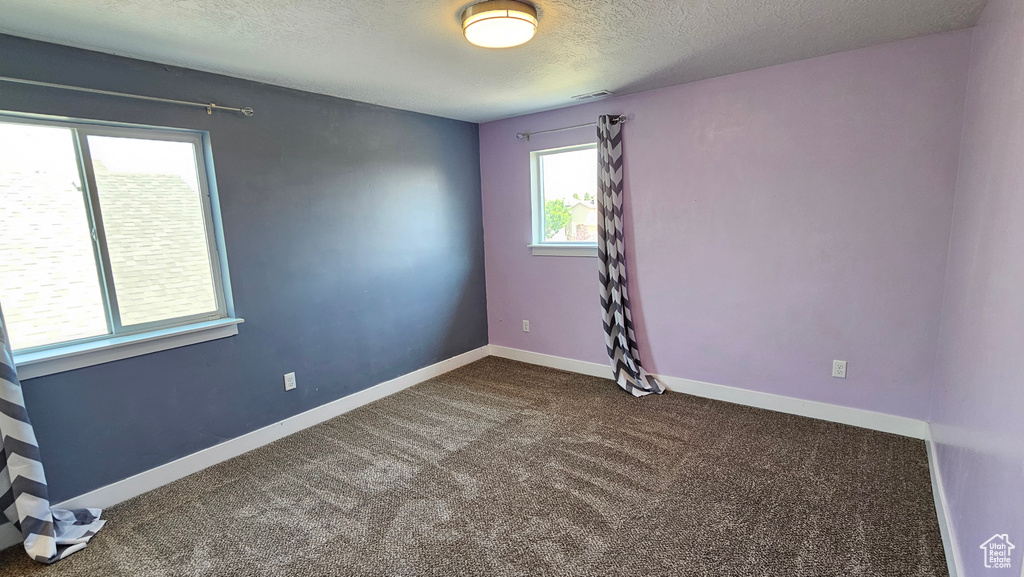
x,y
121,341
540,247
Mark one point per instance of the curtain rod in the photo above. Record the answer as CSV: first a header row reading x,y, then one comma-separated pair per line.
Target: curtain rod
x,y
247,111
621,119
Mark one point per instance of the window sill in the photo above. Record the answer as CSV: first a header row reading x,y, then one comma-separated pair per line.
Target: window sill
x,y
58,360
551,249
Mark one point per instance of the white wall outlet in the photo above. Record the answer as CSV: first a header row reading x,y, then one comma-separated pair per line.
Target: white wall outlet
x,y
289,381
526,326
839,369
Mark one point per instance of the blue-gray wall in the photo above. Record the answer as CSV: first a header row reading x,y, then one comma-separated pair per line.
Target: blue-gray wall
x,y
355,242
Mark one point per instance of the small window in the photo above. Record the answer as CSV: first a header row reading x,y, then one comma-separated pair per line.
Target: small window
x,y
106,231
565,201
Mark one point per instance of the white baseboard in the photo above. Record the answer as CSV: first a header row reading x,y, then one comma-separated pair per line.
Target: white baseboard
x,y
814,409
571,365
942,510
157,477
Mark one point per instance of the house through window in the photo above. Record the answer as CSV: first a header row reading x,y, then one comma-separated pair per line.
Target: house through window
x,y
107,231
565,197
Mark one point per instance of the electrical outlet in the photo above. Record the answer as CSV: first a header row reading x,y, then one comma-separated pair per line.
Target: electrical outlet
x,y
526,326
839,369
289,381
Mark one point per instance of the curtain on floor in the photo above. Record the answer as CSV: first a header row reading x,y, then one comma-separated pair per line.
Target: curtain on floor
x,y
49,534
618,322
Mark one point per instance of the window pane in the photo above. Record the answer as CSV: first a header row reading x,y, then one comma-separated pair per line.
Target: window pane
x,y
49,284
570,190
155,229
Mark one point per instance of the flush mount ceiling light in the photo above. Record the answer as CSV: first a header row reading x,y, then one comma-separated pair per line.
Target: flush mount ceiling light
x,y
499,23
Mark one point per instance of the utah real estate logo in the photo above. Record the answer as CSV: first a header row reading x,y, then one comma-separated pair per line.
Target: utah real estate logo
x,y
997,551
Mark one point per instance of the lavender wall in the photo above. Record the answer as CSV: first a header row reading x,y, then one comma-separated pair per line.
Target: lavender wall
x,y
978,407
777,219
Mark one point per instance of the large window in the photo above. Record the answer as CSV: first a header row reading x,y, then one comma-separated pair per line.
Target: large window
x,y
105,231
565,201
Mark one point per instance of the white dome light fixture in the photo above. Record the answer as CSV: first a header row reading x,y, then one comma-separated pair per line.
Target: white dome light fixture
x,y
499,23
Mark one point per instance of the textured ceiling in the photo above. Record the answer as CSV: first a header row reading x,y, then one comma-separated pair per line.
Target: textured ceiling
x,y
410,54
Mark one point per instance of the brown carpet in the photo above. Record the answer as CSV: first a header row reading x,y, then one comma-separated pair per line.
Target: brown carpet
x,y
503,468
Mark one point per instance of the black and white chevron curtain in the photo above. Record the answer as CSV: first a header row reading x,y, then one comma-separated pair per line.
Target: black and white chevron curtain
x,y
49,534
618,322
